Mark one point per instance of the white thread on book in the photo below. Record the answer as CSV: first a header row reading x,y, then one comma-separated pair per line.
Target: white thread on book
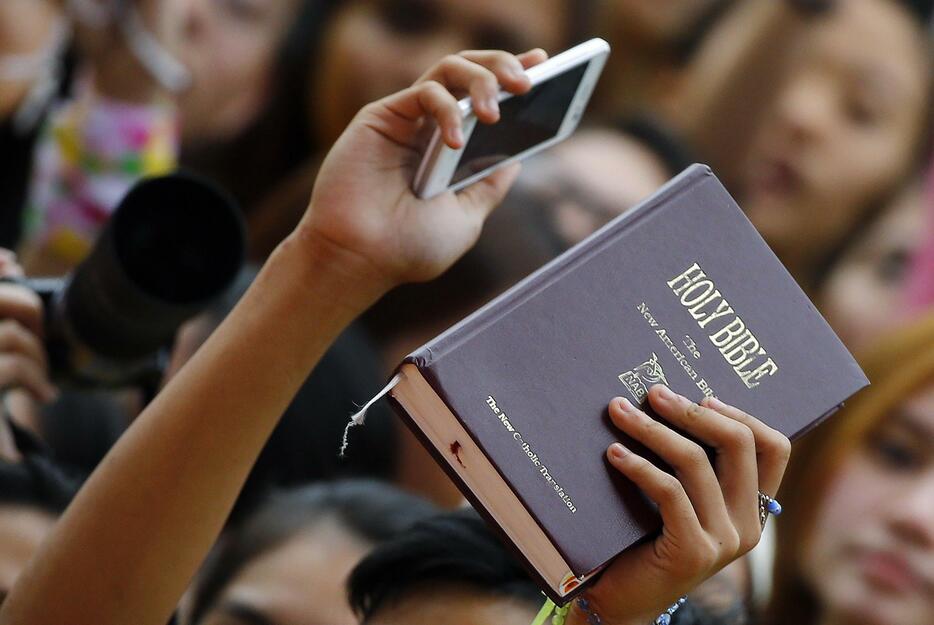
x,y
360,416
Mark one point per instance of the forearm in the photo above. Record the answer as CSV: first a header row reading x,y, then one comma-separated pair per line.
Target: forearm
x,y
129,544
127,547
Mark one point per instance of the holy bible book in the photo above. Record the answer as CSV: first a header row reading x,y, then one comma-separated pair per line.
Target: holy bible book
x,y
682,291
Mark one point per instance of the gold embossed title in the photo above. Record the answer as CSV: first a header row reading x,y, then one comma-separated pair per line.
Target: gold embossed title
x,y
735,341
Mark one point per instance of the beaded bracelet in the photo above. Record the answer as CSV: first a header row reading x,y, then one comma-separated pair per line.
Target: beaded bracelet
x,y
559,614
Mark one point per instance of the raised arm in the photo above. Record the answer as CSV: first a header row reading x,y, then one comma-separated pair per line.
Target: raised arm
x,y
127,547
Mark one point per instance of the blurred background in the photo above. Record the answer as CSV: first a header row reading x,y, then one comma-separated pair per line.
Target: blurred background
x,y
816,114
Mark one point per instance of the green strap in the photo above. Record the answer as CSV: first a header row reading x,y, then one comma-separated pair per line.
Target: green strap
x,y
544,613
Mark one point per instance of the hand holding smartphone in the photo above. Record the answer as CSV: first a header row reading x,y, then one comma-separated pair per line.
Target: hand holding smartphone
x,y
529,123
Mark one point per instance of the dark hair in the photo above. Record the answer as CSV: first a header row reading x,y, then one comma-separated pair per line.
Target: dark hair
x,y
922,10
36,481
687,45
519,225
450,548
17,146
457,548
672,150
370,510
304,446
81,426
580,22
469,283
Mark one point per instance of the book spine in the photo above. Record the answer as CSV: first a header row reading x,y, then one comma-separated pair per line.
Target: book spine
x,y
442,461
541,279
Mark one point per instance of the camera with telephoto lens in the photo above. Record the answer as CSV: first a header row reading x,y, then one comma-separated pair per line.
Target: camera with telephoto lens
x,y
171,249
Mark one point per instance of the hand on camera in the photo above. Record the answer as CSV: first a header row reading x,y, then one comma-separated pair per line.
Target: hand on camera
x,y
363,214
22,354
710,512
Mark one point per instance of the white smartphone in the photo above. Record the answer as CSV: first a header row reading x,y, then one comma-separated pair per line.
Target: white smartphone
x,y
549,112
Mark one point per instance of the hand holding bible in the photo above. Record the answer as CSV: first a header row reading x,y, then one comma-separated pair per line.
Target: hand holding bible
x,y
363,214
710,512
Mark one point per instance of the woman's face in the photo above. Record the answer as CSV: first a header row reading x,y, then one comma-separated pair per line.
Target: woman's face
x,y
301,582
842,131
376,47
864,294
230,48
870,557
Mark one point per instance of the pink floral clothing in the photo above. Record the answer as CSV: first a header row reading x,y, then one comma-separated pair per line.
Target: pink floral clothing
x,y
91,151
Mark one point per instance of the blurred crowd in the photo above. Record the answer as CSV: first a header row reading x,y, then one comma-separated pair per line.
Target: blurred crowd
x,y
816,114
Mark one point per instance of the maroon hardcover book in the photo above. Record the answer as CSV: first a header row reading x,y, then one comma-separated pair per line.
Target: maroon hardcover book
x,y
680,290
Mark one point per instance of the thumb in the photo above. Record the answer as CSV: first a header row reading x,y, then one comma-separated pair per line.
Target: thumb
x,y
485,195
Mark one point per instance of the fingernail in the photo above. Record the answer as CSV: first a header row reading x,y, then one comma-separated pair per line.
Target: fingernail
x,y
492,104
713,402
457,135
624,404
665,393
618,452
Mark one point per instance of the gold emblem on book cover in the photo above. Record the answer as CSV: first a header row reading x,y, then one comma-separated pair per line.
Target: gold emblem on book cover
x,y
638,380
